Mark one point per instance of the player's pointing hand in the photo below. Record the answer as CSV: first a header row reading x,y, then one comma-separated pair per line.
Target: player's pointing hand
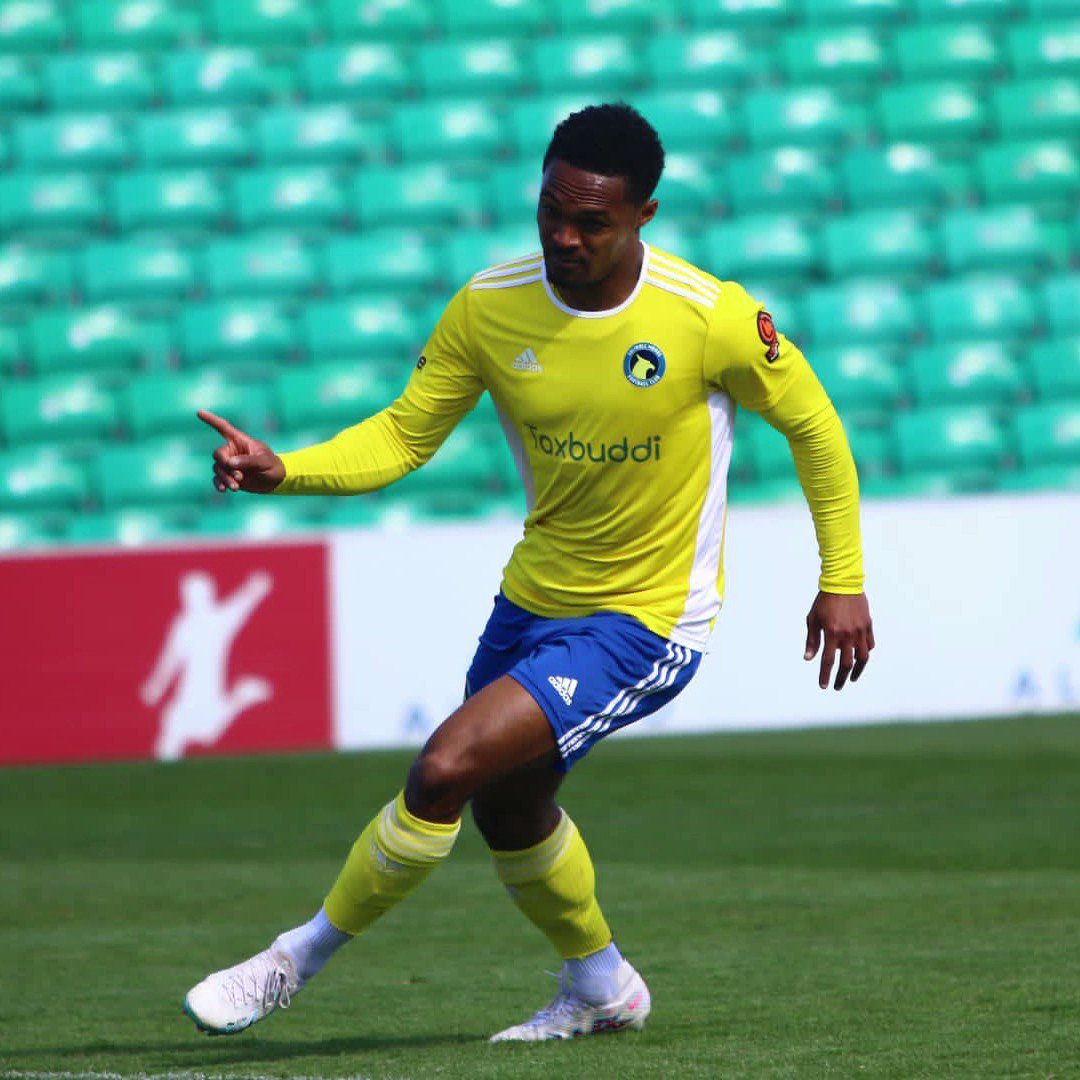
x,y
243,463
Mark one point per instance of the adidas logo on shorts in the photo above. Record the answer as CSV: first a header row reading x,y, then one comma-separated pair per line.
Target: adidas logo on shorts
x,y
564,687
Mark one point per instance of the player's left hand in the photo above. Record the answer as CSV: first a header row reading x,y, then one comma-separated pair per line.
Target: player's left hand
x,y
844,622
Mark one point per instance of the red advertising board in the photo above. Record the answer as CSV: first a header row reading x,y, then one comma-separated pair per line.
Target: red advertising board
x,y
164,653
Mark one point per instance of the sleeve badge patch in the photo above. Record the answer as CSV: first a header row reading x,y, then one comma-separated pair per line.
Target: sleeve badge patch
x,y
767,333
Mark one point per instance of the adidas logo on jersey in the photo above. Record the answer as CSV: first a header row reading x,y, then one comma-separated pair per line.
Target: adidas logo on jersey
x,y
564,687
526,362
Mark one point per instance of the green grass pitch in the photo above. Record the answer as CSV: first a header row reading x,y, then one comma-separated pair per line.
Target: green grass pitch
x,y
899,901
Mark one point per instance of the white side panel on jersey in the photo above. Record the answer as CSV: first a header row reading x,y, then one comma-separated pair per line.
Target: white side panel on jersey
x,y
703,601
521,459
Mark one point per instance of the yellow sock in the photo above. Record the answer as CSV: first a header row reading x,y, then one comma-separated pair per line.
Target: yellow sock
x,y
392,857
554,884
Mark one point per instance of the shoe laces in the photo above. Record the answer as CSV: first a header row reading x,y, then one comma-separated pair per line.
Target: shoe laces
x,y
265,984
564,1005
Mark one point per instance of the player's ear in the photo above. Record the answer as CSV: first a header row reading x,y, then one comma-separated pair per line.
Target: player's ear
x,y
647,212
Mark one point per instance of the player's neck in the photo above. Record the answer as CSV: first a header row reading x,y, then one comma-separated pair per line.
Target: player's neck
x,y
614,290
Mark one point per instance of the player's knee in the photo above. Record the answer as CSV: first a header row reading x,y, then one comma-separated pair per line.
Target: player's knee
x,y
438,783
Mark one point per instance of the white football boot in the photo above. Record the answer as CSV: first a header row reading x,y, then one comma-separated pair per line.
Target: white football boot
x,y
566,1016
235,998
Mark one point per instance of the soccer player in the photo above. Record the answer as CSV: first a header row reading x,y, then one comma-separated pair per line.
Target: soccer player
x,y
616,370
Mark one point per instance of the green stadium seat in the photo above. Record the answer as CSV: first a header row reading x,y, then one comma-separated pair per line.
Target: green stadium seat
x,y
222,75
254,518
357,512
999,237
12,349
101,338
391,20
464,463
777,492
716,59
801,116
764,14
886,242
1054,365
935,112
872,448
510,19
871,12
315,133
445,130
1049,434
513,191
961,51
1040,478
126,528
57,409
214,136
1061,303
1040,8
852,54
954,437
468,252
531,122
1039,48
670,236
904,175
389,259
235,330
31,26
865,311
688,184
1043,171
175,199
358,72
598,64
979,307
689,120
765,447
5,150
331,395
427,193
151,268
961,373
859,379
30,276
166,404
40,477
770,245
973,10
20,85
618,16
259,264
23,532
137,24
265,22
369,328
287,196
786,179
71,141
112,80
1032,107
449,68
161,471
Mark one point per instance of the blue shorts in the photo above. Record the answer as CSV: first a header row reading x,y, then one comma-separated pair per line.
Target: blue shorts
x,y
591,675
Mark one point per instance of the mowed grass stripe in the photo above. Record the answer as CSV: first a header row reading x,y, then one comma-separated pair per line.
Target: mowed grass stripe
x,y
900,902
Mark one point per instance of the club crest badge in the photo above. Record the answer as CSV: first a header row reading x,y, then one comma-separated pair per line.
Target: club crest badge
x,y
644,364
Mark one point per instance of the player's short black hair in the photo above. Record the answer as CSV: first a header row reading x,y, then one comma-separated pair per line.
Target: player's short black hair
x,y
611,140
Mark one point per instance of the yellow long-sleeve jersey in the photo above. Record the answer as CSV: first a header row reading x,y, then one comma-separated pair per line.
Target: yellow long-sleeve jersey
x,y
621,424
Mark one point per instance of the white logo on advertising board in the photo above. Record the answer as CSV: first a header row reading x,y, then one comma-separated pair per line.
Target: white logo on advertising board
x,y
194,663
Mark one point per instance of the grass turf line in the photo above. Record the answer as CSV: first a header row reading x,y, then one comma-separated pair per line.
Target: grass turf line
x,y
898,901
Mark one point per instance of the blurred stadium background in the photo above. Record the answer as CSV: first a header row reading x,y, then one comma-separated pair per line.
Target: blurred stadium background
x,y
260,206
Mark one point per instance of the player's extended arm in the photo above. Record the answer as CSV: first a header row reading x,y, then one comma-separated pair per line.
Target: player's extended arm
x,y
840,613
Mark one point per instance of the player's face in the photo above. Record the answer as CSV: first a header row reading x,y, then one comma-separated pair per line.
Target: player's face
x,y
588,226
